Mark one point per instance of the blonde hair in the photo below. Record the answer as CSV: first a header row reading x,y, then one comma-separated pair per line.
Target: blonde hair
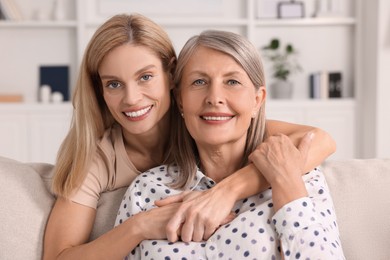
x,y
184,150
91,116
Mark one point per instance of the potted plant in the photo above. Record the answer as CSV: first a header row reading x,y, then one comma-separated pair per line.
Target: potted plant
x,y
284,64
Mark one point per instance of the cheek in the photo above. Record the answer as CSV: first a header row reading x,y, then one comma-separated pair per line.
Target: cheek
x,y
189,101
110,100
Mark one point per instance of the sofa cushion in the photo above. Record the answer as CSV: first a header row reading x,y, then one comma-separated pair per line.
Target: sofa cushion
x,y
25,206
361,191
26,202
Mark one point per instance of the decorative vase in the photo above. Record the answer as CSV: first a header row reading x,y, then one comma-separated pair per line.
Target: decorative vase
x,y
281,89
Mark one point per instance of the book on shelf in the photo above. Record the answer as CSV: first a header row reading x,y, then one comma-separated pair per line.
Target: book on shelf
x,y
10,10
335,84
56,77
324,85
10,98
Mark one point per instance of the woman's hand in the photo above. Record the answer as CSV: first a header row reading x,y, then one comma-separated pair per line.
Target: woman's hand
x,y
282,165
152,223
199,215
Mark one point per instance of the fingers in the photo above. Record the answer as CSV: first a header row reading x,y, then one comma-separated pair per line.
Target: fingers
x,y
210,229
198,216
173,226
170,200
198,230
229,218
187,230
194,226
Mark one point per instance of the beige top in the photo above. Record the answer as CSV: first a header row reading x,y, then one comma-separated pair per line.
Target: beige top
x,y
111,169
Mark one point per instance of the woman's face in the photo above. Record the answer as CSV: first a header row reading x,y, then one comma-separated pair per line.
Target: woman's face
x,y
217,98
135,87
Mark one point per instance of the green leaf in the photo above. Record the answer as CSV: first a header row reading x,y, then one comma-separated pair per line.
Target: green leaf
x,y
274,44
289,48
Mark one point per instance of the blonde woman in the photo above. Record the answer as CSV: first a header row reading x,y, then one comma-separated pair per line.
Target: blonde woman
x,y
121,127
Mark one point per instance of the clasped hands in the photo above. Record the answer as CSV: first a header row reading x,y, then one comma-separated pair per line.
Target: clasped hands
x,y
201,213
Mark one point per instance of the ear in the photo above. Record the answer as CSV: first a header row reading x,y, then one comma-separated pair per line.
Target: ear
x,y
260,97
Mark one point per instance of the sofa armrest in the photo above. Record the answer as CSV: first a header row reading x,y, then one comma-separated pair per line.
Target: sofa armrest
x,y
360,190
25,204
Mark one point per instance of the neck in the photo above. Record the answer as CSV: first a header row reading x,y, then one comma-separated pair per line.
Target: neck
x,y
148,149
220,162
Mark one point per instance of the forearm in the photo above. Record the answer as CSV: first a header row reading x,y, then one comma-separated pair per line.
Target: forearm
x,y
249,180
68,230
115,244
322,146
243,183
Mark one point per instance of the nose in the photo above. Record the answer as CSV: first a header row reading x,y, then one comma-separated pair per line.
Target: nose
x,y
132,94
215,95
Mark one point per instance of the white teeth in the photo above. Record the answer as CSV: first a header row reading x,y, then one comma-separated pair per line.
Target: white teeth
x,y
138,113
216,118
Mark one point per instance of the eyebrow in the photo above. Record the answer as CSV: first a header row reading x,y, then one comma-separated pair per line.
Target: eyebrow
x,y
148,67
233,73
202,73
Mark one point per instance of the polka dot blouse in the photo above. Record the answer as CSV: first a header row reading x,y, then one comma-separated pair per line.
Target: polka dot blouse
x,y
302,229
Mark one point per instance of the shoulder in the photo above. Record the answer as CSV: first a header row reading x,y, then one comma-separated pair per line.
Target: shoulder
x,y
151,185
107,143
113,160
159,174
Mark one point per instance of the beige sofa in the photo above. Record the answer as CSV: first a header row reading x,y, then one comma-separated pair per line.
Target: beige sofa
x,y
360,190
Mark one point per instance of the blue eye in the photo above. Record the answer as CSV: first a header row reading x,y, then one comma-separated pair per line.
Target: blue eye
x,y
199,82
146,77
114,84
233,82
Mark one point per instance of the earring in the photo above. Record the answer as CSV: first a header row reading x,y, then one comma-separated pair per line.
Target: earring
x,y
182,114
253,114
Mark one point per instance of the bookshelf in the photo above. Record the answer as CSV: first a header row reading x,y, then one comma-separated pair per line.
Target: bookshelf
x,y
62,42
71,34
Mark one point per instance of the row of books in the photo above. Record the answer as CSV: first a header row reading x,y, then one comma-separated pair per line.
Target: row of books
x,y
325,85
9,10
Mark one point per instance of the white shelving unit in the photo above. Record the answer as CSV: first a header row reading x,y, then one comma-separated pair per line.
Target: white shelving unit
x,y
31,43
67,39
33,132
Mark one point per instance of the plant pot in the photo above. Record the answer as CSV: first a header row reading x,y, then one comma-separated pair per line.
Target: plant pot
x,y
281,89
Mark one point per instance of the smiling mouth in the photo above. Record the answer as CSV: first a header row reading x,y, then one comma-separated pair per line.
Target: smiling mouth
x,y
138,113
216,118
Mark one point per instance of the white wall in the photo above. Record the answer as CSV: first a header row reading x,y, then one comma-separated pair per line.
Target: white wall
x,y
374,80
383,104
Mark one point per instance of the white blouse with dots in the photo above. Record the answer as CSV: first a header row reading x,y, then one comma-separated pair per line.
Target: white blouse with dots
x,y
304,229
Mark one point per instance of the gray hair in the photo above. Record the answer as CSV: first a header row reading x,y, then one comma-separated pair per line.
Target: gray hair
x,y
184,151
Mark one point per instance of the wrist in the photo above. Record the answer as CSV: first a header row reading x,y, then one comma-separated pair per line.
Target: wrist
x,y
288,192
227,189
134,227
241,184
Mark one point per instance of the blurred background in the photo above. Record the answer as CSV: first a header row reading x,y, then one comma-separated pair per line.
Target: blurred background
x,y
342,48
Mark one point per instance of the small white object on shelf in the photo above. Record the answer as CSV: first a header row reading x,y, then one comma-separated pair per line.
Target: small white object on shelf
x,y
44,94
57,97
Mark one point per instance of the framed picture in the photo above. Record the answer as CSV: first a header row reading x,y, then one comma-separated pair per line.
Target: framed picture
x,y
57,77
291,9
